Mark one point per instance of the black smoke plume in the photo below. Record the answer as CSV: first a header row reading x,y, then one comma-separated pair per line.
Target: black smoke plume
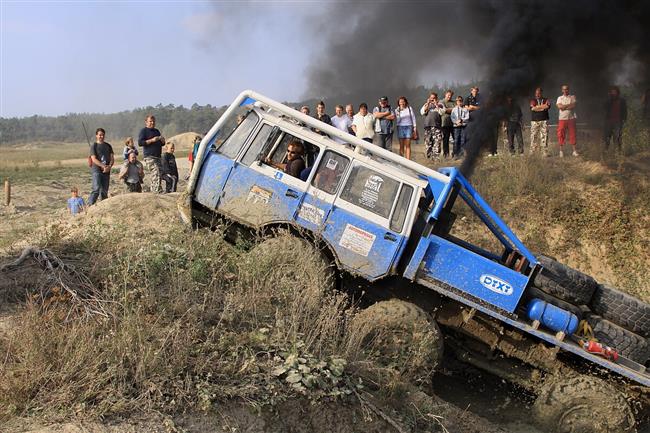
x,y
514,46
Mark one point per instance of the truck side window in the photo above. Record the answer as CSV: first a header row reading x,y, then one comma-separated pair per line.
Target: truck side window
x,y
330,171
256,146
370,190
401,208
231,146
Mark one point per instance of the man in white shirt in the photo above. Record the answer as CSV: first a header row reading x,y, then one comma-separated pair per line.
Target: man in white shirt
x,y
341,121
566,105
363,124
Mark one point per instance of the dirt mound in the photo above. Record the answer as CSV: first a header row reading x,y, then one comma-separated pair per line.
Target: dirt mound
x,y
184,140
144,209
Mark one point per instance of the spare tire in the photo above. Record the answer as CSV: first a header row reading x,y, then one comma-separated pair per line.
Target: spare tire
x,y
626,343
564,282
623,309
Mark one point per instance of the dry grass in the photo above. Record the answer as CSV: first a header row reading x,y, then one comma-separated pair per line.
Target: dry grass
x,y
192,324
590,212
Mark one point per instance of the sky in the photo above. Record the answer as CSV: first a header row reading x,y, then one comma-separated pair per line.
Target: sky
x,y
61,57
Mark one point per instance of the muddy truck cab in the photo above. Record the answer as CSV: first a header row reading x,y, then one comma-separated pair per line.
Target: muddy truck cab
x,y
427,240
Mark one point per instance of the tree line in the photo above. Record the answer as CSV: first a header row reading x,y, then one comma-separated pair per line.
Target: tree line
x,y
171,120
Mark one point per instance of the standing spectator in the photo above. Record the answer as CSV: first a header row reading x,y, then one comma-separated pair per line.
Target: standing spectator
x,y
76,204
132,173
459,118
349,110
342,122
384,117
447,125
152,142
406,126
566,103
539,107
615,117
192,155
473,102
169,169
432,110
305,110
515,117
322,116
129,147
103,158
363,123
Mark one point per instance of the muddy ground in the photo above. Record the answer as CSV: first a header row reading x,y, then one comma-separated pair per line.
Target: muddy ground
x,y
474,402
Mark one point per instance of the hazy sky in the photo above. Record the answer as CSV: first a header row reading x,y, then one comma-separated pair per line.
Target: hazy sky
x,y
97,56
59,57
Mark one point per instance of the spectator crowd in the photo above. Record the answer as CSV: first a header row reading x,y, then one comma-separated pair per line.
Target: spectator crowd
x,y
446,134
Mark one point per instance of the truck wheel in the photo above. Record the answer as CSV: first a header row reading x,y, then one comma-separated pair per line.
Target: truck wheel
x,y
582,405
622,309
294,260
401,336
564,282
626,343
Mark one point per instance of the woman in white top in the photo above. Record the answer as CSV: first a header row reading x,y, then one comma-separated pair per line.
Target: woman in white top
x,y
406,127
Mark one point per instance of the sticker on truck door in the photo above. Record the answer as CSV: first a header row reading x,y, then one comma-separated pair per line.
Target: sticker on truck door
x,y
311,213
259,195
357,240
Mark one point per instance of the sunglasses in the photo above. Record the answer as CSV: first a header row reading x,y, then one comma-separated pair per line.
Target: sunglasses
x,y
292,152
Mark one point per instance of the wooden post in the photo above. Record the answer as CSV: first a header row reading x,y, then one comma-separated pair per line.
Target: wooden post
x,y
7,192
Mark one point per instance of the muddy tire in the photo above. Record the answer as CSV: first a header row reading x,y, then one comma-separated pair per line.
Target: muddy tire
x,y
564,282
400,336
622,309
293,261
582,405
626,343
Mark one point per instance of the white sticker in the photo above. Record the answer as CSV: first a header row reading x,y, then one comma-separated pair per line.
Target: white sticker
x,y
496,284
370,193
332,164
259,195
357,240
311,213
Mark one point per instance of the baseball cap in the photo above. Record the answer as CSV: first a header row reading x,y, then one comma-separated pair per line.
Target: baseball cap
x,y
384,98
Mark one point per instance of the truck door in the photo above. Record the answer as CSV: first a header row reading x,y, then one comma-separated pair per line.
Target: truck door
x,y
366,225
257,193
325,181
219,161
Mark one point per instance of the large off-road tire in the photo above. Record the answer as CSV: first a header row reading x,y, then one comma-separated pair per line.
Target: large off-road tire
x,y
582,404
623,309
290,260
401,336
564,282
626,343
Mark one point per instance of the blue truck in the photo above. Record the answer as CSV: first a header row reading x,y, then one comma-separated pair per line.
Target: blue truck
x,y
390,222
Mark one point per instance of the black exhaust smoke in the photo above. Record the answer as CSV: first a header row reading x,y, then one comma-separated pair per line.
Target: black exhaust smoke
x,y
386,48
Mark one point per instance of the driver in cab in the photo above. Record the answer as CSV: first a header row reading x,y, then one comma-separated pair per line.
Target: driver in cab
x,y
295,164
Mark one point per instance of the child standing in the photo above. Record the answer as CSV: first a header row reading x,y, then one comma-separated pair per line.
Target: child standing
x,y
169,169
76,204
132,172
129,146
459,119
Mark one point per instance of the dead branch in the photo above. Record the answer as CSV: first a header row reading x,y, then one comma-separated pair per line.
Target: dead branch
x,y
62,280
27,252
